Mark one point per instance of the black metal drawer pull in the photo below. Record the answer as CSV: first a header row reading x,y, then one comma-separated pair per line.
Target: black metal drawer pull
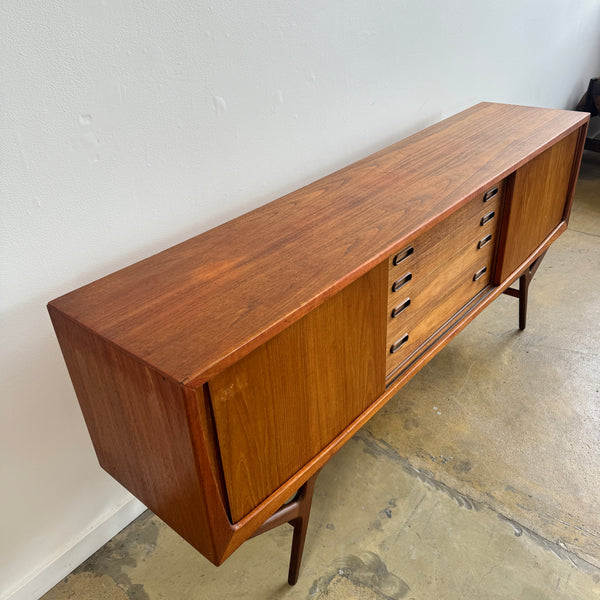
x,y
490,194
479,273
397,345
402,281
401,308
482,242
487,218
403,255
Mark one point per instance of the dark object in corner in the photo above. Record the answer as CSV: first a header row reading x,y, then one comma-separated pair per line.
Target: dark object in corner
x,y
591,103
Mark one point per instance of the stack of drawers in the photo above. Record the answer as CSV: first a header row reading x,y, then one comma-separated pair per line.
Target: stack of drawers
x,y
439,272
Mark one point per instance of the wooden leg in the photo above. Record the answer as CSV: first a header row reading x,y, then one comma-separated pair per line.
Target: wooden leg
x,y
523,297
300,525
523,292
296,513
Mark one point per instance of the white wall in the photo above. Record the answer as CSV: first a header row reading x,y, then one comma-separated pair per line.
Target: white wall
x,y
129,126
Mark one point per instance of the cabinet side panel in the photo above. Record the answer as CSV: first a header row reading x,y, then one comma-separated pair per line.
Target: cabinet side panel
x,y
540,190
138,423
282,404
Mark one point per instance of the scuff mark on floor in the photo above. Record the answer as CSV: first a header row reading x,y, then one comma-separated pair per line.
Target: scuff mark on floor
x,y
557,548
363,577
377,447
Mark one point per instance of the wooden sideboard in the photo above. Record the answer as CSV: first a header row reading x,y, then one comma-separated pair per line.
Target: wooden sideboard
x,y
218,376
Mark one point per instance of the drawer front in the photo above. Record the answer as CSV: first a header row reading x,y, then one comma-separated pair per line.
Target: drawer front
x,y
433,248
413,306
446,291
410,285
441,271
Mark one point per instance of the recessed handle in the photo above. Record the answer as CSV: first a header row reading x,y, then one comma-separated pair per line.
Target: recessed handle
x,y
403,255
397,345
486,218
479,273
402,281
483,241
400,308
490,194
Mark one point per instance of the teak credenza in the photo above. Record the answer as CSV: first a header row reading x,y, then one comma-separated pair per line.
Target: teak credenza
x,y
218,376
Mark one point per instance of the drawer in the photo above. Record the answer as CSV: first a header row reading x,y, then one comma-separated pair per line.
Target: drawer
x,y
412,287
475,220
443,293
410,308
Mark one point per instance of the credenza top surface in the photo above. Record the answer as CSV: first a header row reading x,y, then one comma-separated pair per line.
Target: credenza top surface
x,y
197,307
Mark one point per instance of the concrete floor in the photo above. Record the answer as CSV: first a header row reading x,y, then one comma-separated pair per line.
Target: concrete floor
x,y
480,479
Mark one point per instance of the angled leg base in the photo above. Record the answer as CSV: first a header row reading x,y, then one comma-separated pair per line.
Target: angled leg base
x,y
523,291
296,513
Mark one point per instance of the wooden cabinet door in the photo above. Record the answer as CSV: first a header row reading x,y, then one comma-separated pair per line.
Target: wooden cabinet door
x,y
282,404
537,204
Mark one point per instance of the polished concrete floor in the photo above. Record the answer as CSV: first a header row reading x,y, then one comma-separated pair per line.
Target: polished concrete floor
x,y
479,480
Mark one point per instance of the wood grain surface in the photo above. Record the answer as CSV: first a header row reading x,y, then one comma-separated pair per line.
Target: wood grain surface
x,y
139,423
436,298
538,202
282,404
434,248
196,308
218,376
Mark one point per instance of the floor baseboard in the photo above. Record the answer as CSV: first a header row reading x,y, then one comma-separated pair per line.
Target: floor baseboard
x,y
45,577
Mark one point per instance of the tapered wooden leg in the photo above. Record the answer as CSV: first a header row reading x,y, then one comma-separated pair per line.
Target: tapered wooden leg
x,y
300,526
523,292
296,513
523,297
